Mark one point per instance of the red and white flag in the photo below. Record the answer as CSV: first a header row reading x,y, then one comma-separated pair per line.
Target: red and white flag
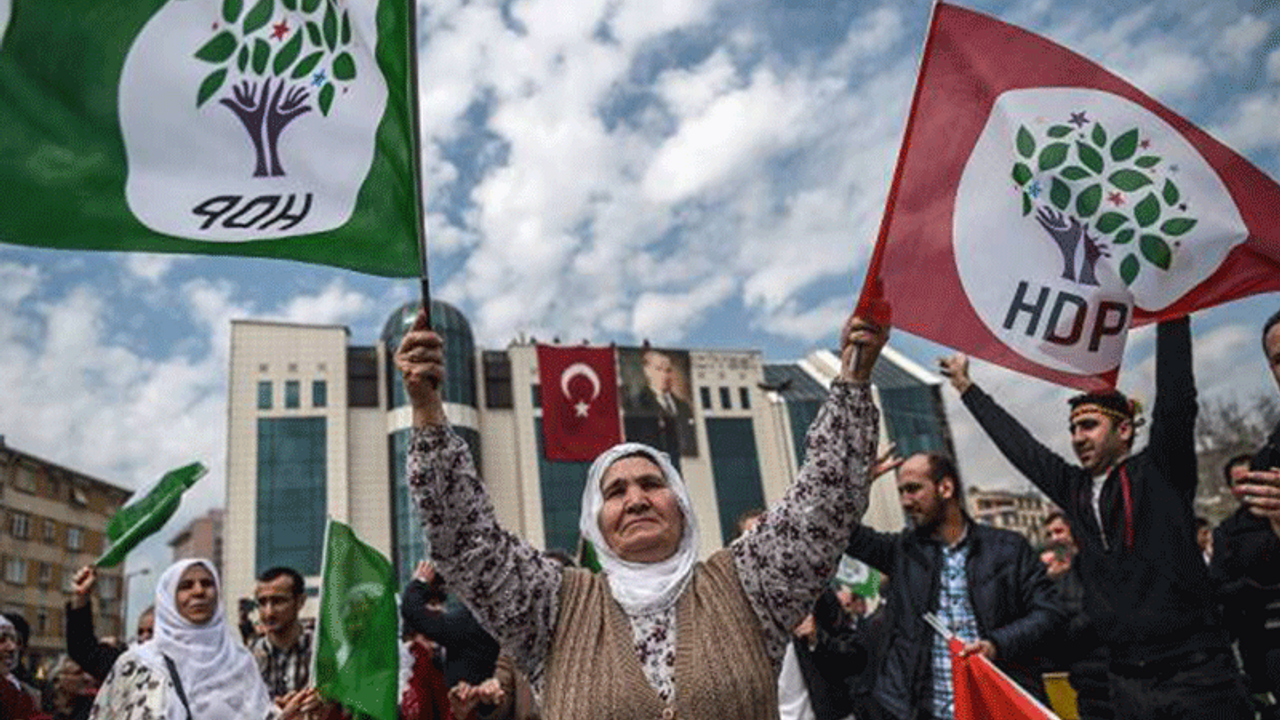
x,y
579,401
1041,206
984,692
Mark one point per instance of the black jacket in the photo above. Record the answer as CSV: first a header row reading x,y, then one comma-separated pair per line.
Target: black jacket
x,y
838,656
471,654
1155,600
1246,569
1015,603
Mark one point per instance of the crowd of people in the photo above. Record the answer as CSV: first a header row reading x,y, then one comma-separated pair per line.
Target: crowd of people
x,y
1150,612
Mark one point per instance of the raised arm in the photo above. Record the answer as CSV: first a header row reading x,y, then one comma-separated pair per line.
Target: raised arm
x,y
83,645
785,562
1173,418
510,587
1036,462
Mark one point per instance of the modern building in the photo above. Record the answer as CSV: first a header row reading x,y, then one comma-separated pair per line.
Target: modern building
x,y
321,427
201,538
1022,512
54,523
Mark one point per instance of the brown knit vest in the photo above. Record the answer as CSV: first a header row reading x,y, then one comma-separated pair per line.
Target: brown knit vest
x,y
722,671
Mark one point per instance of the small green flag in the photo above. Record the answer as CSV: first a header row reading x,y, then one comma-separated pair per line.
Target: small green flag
x,y
357,657
269,128
148,512
860,578
587,557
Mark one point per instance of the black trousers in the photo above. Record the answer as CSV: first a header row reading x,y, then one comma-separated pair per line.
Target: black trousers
x,y
1203,685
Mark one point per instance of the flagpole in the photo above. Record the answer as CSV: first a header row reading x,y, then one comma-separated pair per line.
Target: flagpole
x,y
415,143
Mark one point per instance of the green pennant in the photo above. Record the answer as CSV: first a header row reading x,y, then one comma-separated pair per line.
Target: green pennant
x,y
148,512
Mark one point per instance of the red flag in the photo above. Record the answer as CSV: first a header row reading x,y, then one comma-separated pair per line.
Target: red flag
x,y
1041,205
984,692
579,401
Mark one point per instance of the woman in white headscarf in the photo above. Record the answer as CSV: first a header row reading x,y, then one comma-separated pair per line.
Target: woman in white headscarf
x,y
657,633
193,667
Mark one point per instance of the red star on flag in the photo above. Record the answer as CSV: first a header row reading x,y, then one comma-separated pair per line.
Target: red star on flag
x,y
1116,199
280,29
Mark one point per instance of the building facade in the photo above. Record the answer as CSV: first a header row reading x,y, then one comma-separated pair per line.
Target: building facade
x,y
740,447
1022,512
54,523
201,538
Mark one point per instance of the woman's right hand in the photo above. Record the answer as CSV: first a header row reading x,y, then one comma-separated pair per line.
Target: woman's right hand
x,y
420,359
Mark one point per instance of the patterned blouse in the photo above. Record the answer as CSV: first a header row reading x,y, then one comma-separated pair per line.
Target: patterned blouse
x,y
135,691
783,563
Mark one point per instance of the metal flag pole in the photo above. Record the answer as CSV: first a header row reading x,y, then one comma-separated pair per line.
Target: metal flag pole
x,y
415,150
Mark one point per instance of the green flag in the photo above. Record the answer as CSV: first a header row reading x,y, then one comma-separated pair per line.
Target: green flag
x,y
271,128
860,578
150,509
357,656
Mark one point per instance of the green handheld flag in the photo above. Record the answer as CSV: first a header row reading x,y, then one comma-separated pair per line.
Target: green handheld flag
x,y
145,515
270,128
860,578
357,657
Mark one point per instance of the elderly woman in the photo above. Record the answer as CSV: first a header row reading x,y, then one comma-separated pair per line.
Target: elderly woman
x,y
657,634
193,667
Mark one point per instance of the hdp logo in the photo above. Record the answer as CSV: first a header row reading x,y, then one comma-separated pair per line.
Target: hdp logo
x,y
254,119
1076,206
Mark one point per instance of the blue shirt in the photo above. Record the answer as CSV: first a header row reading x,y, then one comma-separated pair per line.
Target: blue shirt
x,y
956,612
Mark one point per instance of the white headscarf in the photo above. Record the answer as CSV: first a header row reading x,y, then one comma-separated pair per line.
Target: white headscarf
x,y
7,628
640,588
220,677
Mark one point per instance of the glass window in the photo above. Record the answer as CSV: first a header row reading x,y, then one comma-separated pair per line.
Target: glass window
x,y
19,525
535,395
319,394
264,394
744,397
108,587
561,484
497,380
292,394
24,478
735,468
705,394
292,462
726,400
75,538
46,574
15,570
362,377
50,531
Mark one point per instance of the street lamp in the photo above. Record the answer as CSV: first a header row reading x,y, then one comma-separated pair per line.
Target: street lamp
x,y
124,602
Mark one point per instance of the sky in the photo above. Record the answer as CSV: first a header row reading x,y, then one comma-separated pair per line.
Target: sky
x,y
697,173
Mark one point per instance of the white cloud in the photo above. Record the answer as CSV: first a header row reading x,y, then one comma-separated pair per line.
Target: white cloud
x,y
1240,39
665,317
149,267
17,282
1252,125
737,127
1273,66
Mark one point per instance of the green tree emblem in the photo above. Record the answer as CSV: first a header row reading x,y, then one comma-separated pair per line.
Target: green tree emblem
x,y
274,67
1095,194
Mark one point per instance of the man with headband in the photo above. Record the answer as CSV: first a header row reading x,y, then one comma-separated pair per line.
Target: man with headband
x,y
1147,588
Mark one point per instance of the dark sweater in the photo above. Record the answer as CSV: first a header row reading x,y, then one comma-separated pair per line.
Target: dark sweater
x,y
95,658
1155,599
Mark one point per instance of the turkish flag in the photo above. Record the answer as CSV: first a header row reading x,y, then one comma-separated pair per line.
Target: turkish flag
x,y
1041,206
579,401
984,692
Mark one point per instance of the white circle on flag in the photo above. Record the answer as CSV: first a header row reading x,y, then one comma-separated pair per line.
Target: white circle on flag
x,y
214,173
1043,269
574,371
